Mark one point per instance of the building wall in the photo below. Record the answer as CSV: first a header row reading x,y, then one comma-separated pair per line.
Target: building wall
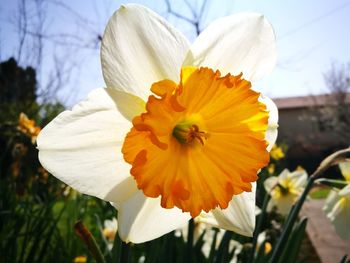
x,y
300,129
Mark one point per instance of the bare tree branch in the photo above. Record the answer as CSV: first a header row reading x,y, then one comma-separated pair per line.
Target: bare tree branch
x,y
334,114
23,24
197,14
178,15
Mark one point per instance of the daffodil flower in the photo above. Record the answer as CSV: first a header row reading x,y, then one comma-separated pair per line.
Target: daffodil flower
x,y
110,230
178,132
285,189
345,170
337,209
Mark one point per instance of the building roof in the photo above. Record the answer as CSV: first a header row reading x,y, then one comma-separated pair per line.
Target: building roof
x,y
309,101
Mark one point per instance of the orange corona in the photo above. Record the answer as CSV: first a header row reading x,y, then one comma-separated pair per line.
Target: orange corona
x,y
200,142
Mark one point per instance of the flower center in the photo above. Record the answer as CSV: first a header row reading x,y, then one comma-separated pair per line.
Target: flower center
x,y
199,142
188,133
283,190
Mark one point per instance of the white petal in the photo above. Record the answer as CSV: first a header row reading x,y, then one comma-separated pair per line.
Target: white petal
x,y
283,176
272,132
283,204
127,104
141,219
239,216
341,222
270,183
298,179
82,148
345,191
243,42
345,170
139,48
337,208
331,200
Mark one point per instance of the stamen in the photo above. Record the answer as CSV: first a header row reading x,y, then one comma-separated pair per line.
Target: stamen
x,y
186,133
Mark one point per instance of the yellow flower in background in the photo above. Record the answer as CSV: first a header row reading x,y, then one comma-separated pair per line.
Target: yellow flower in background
x,y
300,168
80,259
261,239
27,126
337,209
271,168
285,189
277,152
345,170
268,247
178,132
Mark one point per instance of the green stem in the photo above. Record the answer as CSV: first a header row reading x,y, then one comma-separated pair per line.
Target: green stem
x,y
125,253
89,241
116,250
322,180
259,226
343,260
190,240
290,221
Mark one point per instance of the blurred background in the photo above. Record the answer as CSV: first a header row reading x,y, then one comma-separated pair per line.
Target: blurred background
x,y
50,60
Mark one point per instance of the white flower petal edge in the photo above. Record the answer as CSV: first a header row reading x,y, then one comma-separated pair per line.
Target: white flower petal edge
x,y
337,208
238,217
82,147
248,36
139,48
272,128
298,180
270,183
345,170
283,205
141,219
127,104
294,181
111,224
283,175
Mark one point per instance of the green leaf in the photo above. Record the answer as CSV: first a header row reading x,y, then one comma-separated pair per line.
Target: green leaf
x,y
213,245
223,251
319,193
291,250
339,184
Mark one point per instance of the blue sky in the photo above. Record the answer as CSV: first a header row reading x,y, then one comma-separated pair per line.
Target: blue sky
x,y
310,35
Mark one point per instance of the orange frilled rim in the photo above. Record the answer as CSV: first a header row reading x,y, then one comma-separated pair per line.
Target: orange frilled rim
x,y
200,142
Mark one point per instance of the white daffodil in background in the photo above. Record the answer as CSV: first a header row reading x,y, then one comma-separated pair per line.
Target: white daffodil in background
x,y
337,209
110,230
285,189
193,147
345,170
